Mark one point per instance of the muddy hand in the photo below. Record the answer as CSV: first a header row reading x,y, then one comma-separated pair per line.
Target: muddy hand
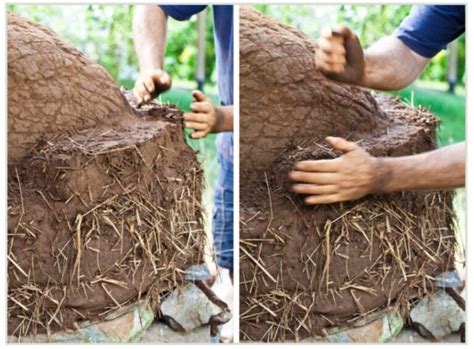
x,y
203,118
150,85
339,55
353,175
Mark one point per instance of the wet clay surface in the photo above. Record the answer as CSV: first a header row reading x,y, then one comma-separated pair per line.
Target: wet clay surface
x,y
51,81
304,269
100,216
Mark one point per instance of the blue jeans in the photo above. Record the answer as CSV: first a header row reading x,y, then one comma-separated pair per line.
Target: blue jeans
x,y
223,215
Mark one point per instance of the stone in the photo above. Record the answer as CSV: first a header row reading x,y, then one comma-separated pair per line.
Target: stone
x,y
408,335
380,330
437,315
448,279
159,332
187,308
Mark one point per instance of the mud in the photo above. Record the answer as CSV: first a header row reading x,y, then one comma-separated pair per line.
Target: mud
x,y
103,209
53,87
305,269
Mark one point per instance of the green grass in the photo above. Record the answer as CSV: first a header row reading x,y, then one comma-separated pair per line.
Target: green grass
x,y
450,108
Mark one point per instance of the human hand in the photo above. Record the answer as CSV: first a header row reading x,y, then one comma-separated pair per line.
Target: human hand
x,y
150,85
339,55
204,117
352,175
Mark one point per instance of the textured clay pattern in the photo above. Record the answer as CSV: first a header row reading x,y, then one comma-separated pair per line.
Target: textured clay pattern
x,y
306,269
104,199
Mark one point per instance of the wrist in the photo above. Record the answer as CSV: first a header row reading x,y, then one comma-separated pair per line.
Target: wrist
x,y
383,175
366,73
218,125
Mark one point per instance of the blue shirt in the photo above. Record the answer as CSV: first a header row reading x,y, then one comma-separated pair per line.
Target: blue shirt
x,y
224,44
428,29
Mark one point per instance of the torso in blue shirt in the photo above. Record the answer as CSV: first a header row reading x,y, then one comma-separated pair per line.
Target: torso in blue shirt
x,y
224,43
428,29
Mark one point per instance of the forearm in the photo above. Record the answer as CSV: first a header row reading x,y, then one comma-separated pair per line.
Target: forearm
x,y
225,119
390,65
443,168
149,36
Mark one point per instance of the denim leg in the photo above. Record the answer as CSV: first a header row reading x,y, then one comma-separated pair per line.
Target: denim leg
x,y
223,217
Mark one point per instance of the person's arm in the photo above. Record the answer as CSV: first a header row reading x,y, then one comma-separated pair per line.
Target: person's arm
x,y
206,118
390,65
386,65
149,37
356,173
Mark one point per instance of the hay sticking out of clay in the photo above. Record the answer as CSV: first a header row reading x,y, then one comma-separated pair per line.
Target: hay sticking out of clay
x,y
99,218
306,271
403,250
104,198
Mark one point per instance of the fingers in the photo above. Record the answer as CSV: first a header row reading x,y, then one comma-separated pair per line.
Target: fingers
x,y
342,30
322,199
196,125
332,45
199,134
150,84
163,80
201,118
199,123
317,166
200,107
313,177
311,189
331,54
340,54
199,96
341,144
193,117
141,93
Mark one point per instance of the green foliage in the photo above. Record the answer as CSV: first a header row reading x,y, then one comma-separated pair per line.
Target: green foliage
x,y
104,33
372,22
